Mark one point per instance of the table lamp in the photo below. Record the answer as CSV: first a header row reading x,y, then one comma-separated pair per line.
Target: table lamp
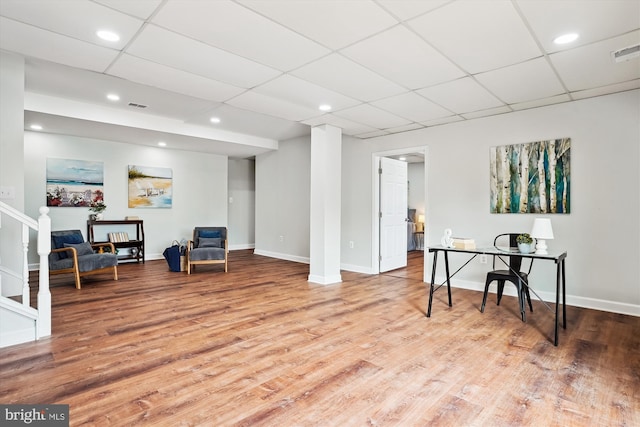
x,y
421,222
542,231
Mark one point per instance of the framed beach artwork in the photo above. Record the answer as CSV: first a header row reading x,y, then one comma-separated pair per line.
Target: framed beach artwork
x,y
74,183
534,177
150,187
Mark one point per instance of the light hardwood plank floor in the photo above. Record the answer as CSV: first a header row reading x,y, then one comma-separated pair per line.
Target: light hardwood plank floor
x,y
260,346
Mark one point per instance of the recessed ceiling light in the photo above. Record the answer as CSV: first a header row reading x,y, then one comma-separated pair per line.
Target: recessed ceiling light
x,y
36,127
565,38
162,144
113,97
107,35
325,107
214,119
402,158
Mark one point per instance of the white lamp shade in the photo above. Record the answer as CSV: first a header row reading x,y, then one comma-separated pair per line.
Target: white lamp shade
x,y
420,218
542,229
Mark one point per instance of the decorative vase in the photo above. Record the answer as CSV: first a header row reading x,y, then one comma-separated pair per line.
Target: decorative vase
x,y
92,217
99,216
525,248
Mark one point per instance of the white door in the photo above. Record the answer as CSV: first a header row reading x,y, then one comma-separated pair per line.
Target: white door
x,y
393,214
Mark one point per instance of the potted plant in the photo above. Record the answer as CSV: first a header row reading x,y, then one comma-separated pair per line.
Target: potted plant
x,y
97,206
525,243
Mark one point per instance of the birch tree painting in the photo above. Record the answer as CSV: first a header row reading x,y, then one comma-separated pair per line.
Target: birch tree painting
x,y
531,178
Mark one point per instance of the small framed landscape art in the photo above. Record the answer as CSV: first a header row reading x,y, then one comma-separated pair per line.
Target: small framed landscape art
x,y
534,177
150,187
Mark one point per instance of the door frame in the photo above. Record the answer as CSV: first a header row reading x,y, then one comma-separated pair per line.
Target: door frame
x,y
375,207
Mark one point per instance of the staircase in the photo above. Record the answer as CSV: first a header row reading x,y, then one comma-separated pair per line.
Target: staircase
x,y
19,322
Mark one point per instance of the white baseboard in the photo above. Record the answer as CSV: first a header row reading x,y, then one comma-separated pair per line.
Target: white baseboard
x,y
325,280
356,268
550,297
285,257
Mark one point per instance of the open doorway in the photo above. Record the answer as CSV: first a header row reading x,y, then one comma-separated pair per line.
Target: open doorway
x,y
416,157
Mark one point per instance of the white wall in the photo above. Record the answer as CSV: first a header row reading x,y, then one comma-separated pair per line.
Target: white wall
x,y
415,174
282,201
199,186
605,135
242,203
11,163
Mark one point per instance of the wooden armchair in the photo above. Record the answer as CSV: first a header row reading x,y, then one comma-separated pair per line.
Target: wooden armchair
x,y
209,246
71,254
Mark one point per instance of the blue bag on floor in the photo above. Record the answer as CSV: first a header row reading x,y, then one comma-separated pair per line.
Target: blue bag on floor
x,y
172,255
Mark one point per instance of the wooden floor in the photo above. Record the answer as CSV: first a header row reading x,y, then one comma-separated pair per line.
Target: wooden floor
x,y
260,346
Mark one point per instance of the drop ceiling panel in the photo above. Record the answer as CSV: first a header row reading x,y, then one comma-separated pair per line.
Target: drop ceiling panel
x,y
254,101
334,24
165,47
226,24
372,116
140,8
76,19
479,35
348,78
407,9
304,93
592,20
414,66
412,106
38,43
348,127
461,96
487,113
249,122
603,90
522,82
149,73
592,66
541,102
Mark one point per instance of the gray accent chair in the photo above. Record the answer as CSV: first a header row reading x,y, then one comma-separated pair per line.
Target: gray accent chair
x,y
71,254
209,246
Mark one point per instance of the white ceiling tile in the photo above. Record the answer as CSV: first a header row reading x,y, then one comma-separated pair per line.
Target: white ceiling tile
x,y
161,76
412,126
239,30
348,78
373,134
348,127
486,113
593,20
250,122
592,66
414,66
140,8
461,96
171,49
76,19
372,116
273,106
334,24
541,102
412,107
407,9
522,82
443,121
38,43
478,35
604,90
304,93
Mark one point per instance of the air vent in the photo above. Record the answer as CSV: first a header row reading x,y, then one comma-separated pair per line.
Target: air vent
x,y
626,54
133,104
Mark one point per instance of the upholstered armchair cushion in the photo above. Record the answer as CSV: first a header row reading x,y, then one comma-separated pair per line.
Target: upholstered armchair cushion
x,y
61,238
81,248
201,254
86,262
209,242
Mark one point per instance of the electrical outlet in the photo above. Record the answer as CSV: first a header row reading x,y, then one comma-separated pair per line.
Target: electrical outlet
x,y
7,192
483,258
351,244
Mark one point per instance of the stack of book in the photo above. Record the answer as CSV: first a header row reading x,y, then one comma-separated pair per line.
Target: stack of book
x,y
463,243
119,236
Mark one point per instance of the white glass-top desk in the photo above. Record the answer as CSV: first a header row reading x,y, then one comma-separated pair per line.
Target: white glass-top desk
x,y
557,257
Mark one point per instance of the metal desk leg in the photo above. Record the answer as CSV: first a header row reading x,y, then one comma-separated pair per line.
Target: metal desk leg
x,y
558,267
564,298
446,266
433,278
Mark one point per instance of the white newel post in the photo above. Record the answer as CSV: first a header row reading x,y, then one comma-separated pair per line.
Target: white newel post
x,y
44,295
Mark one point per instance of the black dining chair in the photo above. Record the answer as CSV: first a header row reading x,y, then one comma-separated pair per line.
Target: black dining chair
x,y
512,274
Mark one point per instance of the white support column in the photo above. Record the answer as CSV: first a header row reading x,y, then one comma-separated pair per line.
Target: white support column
x,y
326,183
